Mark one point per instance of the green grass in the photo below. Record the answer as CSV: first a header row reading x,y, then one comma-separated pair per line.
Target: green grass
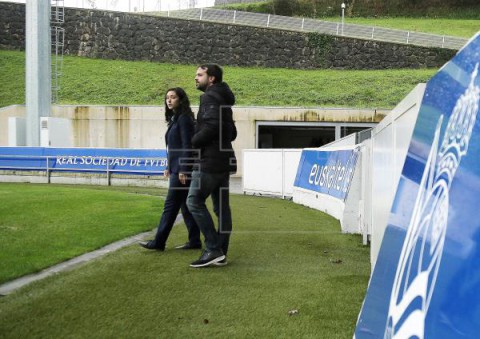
x,y
12,78
453,22
426,9
452,27
282,257
255,7
41,225
115,82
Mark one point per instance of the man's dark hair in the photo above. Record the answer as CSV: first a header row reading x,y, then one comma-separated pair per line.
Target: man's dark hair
x,y
213,70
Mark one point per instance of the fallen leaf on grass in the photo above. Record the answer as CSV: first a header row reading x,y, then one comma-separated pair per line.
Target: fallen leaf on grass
x,y
292,312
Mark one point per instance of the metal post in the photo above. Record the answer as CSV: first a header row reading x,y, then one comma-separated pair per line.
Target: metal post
x,y
268,20
234,16
283,173
408,36
48,169
201,13
343,15
373,31
303,23
108,173
38,67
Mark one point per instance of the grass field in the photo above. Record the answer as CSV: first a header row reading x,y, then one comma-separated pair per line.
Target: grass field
x,y
464,28
115,82
283,257
41,226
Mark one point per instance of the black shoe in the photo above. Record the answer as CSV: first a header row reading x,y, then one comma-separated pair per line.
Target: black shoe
x,y
189,246
150,245
208,258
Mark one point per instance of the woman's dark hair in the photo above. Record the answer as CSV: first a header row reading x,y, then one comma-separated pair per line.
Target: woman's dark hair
x,y
183,107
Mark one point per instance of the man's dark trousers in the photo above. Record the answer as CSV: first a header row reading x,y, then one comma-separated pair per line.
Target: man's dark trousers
x,y
217,185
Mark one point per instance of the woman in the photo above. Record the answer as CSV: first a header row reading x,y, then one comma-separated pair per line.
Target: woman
x,y
178,139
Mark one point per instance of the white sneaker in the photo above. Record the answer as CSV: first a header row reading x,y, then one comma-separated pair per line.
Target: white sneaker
x,y
221,262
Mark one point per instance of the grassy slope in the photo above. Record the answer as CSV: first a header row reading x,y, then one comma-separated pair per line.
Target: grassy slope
x,y
12,78
116,82
452,27
283,257
457,22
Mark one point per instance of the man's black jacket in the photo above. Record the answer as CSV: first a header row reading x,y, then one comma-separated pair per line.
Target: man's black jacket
x,y
216,130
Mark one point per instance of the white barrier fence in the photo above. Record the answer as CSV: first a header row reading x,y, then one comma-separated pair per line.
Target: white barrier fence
x,y
270,171
367,206
319,26
389,145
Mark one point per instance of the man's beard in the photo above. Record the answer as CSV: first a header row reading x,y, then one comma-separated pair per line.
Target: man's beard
x,y
201,87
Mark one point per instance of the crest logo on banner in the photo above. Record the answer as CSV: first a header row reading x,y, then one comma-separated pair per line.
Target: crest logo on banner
x,y
423,247
426,280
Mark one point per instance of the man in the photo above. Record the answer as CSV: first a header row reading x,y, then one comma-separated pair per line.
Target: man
x,y
213,138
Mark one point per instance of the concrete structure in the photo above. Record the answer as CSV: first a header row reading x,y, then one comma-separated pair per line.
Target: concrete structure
x,y
144,126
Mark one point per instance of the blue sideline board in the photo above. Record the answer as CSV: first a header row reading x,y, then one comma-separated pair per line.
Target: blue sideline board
x,y
118,160
426,281
326,171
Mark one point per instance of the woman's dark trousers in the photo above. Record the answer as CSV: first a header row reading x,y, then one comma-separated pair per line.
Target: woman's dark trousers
x,y
176,200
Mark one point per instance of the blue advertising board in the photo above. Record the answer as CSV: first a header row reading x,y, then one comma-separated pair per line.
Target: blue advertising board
x,y
426,281
118,160
326,171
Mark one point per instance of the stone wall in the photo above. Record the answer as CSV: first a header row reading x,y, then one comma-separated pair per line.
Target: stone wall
x,y
12,26
114,35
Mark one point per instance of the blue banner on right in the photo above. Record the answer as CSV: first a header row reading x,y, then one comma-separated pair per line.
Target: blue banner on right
x,y
426,281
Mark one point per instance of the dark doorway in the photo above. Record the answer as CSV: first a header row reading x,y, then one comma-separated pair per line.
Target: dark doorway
x,y
294,136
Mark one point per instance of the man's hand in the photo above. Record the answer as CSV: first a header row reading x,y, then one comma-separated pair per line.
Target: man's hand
x,y
166,173
183,178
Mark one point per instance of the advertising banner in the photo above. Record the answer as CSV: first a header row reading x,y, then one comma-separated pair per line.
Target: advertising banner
x,y
118,160
326,171
426,281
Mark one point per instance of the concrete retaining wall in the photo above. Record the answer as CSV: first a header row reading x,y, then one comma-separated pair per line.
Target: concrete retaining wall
x,y
144,126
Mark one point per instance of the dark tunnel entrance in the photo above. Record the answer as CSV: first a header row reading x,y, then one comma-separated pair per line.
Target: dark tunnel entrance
x,y
303,135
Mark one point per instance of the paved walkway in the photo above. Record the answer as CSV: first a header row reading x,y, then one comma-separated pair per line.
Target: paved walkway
x,y
9,287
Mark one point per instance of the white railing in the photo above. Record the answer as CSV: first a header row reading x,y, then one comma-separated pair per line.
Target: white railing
x,y
319,26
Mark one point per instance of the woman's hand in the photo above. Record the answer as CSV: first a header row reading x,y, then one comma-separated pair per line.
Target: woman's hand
x,y
182,177
166,173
